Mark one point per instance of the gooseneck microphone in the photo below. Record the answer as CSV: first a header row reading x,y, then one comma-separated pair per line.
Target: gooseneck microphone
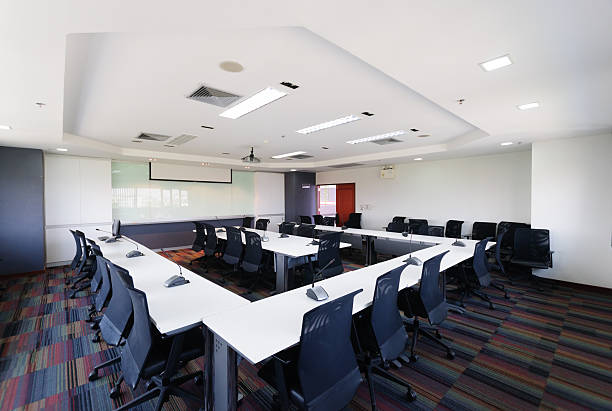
x,y
133,253
110,239
411,260
175,280
318,293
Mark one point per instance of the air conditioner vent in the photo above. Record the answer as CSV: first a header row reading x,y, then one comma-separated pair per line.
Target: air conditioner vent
x,y
347,165
152,137
300,156
213,96
182,139
386,141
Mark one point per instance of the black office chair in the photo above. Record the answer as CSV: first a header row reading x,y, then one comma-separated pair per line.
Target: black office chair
x,y
507,246
200,241
247,222
321,373
354,220
498,265
78,254
399,218
381,335
396,226
286,228
318,219
329,221
435,230
146,355
453,228
482,230
532,249
418,226
427,300
252,260
86,263
306,230
233,251
102,297
262,224
88,267
329,249
305,219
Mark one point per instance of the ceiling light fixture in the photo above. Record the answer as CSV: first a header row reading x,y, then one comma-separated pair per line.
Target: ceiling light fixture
x,y
507,143
295,153
257,100
61,149
528,106
496,63
329,124
423,135
418,159
378,137
293,169
3,127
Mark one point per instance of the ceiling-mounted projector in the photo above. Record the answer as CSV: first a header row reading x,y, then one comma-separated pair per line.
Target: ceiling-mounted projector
x,y
251,158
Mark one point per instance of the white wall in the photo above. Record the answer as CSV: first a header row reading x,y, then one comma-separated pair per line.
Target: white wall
x,y
487,188
270,198
77,195
572,197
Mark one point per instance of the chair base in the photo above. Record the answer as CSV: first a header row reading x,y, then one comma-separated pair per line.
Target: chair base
x,y
93,375
430,333
370,368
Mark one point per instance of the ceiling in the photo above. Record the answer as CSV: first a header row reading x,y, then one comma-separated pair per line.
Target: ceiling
x,y
108,71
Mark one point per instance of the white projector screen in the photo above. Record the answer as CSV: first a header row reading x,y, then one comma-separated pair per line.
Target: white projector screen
x,y
180,172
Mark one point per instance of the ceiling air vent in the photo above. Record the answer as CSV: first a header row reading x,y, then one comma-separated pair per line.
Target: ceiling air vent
x,y
213,96
347,165
386,141
300,156
152,137
182,139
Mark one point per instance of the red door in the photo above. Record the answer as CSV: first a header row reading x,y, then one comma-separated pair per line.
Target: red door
x,y
345,201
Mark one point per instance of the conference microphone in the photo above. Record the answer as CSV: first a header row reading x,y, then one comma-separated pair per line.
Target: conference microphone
x,y
264,237
458,243
318,293
110,239
133,253
175,280
411,260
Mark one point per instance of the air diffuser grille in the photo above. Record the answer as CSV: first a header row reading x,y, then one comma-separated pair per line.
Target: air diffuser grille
x,y
347,165
386,141
213,96
152,137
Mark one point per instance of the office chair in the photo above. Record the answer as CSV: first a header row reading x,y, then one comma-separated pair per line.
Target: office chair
x,y
354,220
318,219
507,245
399,218
306,230
200,241
115,323
329,249
78,254
101,298
532,249
321,373
233,251
427,300
381,336
418,226
453,228
286,228
329,221
305,219
396,226
482,230
435,230
498,264
88,269
247,222
262,224
85,264
253,257
146,355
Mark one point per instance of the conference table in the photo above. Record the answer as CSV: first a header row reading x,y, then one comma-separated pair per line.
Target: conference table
x,y
271,325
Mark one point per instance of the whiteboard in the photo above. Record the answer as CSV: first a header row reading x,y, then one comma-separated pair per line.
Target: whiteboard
x,y
182,172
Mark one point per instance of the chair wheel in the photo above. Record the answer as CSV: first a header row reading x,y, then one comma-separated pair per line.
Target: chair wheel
x,y
438,335
95,339
491,306
506,296
150,385
94,326
411,395
414,358
93,375
198,380
114,393
450,355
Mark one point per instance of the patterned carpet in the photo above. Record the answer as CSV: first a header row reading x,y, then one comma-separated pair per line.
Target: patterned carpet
x,y
538,350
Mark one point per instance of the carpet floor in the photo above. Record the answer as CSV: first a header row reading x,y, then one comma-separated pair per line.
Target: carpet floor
x,y
548,349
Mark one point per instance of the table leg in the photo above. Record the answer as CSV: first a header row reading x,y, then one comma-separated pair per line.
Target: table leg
x,y
368,258
282,273
221,381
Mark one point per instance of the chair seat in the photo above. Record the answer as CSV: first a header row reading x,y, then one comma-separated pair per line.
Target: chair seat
x,y
530,263
193,347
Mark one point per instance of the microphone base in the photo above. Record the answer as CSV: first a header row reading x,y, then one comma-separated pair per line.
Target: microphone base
x,y
265,238
134,253
104,238
458,243
284,236
413,261
317,293
111,240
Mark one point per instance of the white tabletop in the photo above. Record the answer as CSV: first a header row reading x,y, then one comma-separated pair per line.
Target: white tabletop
x,y
391,235
292,246
273,324
170,308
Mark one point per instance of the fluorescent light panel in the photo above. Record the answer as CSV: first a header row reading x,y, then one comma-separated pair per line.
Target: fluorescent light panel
x,y
496,63
507,143
61,149
527,106
295,153
3,127
257,100
418,159
329,124
378,137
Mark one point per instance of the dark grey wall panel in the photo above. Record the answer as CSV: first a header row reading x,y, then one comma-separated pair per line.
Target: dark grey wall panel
x,y
22,241
299,200
167,235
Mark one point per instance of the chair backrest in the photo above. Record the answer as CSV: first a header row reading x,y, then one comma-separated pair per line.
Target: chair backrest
x,y
354,220
418,226
432,291
510,227
247,222
435,230
305,219
253,253
262,224
453,228
480,262
139,341
396,226
532,244
399,218
84,251
116,318
498,243
233,249
105,290
482,230
211,239
96,280
200,239
329,221
389,331
79,251
327,369
329,248
306,230
318,219
286,227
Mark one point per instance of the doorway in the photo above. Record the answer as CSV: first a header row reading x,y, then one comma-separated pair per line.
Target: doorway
x,y
336,200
